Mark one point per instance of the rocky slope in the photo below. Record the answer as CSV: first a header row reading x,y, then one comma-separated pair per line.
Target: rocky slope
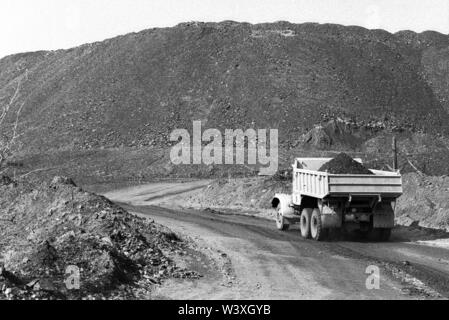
x,y
134,89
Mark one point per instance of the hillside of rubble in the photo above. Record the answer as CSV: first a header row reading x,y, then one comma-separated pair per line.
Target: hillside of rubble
x,y
133,90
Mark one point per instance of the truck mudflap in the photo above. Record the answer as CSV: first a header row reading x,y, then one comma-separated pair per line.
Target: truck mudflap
x,y
331,221
286,204
331,217
383,216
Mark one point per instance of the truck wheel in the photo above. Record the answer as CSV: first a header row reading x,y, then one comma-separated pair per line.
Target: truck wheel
x,y
281,224
304,223
317,231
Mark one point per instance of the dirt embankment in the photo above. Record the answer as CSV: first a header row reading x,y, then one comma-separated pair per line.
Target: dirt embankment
x,y
54,236
424,202
248,195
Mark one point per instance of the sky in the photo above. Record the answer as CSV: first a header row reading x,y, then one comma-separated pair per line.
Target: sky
x,y
30,25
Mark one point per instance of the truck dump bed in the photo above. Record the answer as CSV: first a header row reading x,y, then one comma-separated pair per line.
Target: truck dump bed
x,y
310,182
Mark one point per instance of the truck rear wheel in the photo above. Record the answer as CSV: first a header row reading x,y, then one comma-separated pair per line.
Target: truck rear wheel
x,y
304,223
281,224
317,231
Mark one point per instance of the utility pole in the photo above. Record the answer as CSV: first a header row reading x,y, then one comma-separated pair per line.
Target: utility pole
x,y
395,154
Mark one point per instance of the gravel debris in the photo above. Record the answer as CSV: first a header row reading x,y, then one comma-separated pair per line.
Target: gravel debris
x,y
60,242
344,164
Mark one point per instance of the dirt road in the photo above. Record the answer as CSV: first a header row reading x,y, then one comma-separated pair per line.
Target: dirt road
x,y
256,261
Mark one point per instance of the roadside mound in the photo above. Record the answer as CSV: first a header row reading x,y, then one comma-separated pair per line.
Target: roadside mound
x,y
249,195
51,232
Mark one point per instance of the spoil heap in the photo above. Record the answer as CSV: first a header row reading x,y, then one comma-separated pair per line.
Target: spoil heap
x,y
344,164
50,231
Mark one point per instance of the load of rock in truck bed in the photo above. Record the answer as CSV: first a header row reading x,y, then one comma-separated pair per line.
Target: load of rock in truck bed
x,y
344,164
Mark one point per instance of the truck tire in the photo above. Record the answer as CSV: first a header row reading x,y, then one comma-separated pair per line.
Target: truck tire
x,y
281,223
304,224
317,231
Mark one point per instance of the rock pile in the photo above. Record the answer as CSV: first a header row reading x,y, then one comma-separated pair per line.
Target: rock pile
x,y
344,164
60,242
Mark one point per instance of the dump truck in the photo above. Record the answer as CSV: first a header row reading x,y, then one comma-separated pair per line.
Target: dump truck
x,y
324,203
